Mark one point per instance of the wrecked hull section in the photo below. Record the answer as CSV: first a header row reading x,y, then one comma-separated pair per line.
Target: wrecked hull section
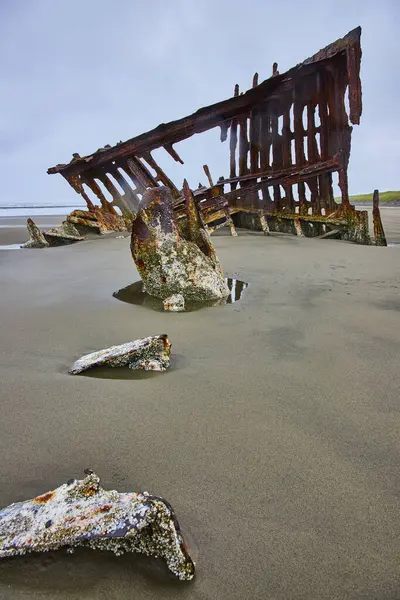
x,y
82,513
101,221
288,136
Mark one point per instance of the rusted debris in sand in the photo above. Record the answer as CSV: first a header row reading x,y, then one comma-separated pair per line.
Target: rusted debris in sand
x,y
57,236
150,354
174,303
102,221
36,237
379,233
82,513
288,136
96,220
66,233
172,260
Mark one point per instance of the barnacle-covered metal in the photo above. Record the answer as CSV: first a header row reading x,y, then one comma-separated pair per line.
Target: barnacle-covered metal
x,y
36,237
171,261
66,233
175,303
82,513
150,354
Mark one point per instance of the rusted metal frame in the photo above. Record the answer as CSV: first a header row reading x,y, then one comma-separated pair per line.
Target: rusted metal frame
x,y
325,180
319,189
379,233
216,191
94,186
324,185
332,164
265,146
139,179
299,147
129,198
203,120
233,143
254,141
214,115
140,170
136,186
118,199
224,127
232,147
243,145
212,203
208,175
254,148
225,111
322,219
100,174
323,89
343,132
343,52
173,153
76,183
353,62
312,148
299,133
313,157
107,206
244,149
254,134
277,158
333,82
286,152
161,176
285,177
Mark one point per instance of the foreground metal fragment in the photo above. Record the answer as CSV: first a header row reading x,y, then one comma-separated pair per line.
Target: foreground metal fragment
x,y
82,513
149,353
172,260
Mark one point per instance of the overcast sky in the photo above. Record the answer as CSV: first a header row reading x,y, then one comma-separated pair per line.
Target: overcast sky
x,y
77,75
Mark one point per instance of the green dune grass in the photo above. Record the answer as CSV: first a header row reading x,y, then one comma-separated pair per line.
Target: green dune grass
x,y
389,197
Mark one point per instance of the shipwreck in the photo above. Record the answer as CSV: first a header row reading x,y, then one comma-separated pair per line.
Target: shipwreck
x,y
287,135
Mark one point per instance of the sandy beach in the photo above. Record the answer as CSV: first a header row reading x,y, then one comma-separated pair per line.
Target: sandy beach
x,y
274,435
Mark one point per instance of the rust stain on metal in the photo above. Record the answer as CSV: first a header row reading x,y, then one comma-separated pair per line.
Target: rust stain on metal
x,y
106,520
44,498
281,158
379,234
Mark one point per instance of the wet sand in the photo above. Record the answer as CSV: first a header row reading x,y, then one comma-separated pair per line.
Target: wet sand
x,y
275,434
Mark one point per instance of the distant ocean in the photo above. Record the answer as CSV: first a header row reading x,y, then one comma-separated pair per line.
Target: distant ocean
x,y
31,210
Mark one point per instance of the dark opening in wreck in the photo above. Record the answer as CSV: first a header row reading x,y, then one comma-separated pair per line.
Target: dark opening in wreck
x,y
287,136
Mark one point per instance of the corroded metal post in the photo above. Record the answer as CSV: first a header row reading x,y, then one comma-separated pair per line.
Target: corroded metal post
x,y
379,233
